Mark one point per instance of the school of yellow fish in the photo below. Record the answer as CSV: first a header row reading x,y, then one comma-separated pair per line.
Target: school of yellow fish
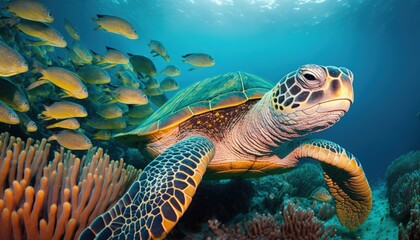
x,y
84,95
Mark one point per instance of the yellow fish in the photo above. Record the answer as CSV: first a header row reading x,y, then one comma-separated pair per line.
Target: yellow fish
x,y
72,140
11,62
143,64
47,34
71,30
321,194
62,110
169,84
70,123
115,25
140,111
128,78
110,111
94,75
102,135
28,124
129,95
30,10
151,82
114,57
82,52
198,60
159,50
7,115
68,81
13,96
153,91
171,71
75,59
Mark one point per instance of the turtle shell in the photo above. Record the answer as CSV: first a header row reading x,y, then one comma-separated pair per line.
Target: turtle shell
x,y
223,91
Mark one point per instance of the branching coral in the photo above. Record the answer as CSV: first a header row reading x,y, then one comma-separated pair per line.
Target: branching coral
x,y
301,224
261,226
58,199
323,211
297,224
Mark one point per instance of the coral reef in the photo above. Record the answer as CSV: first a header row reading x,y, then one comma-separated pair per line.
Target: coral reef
x,y
56,199
224,199
272,190
304,186
261,226
406,163
322,210
403,177
412,230
297,224
301,224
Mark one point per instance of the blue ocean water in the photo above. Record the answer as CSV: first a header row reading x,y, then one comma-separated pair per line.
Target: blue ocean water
x,y
377,40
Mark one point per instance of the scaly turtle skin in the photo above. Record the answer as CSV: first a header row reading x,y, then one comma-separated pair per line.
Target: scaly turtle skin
x,y
237,125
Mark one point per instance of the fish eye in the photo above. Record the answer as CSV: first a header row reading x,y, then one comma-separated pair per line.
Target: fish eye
x,y
32,125
13,116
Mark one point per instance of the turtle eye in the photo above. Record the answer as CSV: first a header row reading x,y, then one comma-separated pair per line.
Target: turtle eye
x,y
311,76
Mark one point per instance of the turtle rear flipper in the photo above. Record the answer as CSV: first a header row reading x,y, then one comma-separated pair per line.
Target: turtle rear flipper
x,y
157,200
345,178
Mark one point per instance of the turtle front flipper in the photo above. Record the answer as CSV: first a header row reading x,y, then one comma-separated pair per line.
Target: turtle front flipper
x,y
160,196
345,178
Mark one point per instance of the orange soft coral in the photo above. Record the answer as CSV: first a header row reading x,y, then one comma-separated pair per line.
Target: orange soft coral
x,y
58,199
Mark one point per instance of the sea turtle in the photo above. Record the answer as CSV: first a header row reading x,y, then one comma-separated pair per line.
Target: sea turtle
x,y
236,125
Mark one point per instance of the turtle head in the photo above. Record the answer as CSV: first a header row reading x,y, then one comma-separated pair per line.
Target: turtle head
x,y
313,97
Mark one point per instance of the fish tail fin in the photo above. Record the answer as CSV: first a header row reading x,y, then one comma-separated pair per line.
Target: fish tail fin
x,y
187,55
42,116
109,66
37,83
65,94
112,100
52,137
